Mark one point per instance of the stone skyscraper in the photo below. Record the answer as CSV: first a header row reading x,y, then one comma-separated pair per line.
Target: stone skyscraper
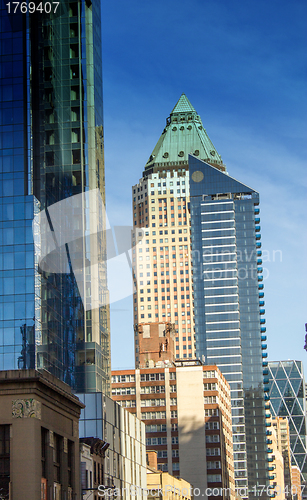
x,y
162,263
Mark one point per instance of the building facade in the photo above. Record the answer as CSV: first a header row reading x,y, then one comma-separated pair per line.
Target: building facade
x,y
164,485
297,488
228,304
276,464
187,412
54,311
124,466
39,438
281,427
168,260
161,236
92,466
288,400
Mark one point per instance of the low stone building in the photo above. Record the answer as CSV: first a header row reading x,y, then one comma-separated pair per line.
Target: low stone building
x,y
92,456
162,485
39,437
124,468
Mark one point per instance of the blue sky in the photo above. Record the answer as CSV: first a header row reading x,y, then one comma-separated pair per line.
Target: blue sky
x,y
243,67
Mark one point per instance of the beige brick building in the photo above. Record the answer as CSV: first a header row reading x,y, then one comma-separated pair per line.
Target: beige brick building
x,y
281,426
187,412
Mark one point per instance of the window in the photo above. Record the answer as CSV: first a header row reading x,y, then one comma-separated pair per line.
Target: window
x,y
151,376
212,425
209,387
175,440
175,453
152,402
123,391
57,453
4,460
214,478
214,465
173,401
211,412
154,389
153,415
174,414
70,462
44,443
213,452
214,438
128,403
176,466
156,428
209,400
156,441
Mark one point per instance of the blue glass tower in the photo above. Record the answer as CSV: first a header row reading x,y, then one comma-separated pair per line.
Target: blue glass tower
x,y
288,399
51,139
228,305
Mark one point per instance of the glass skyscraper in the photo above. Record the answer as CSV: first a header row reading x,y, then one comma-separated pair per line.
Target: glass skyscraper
x,y
288,399
51,139
228,305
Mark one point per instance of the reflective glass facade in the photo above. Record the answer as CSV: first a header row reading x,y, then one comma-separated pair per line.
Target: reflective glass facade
x,y
51,139
229,326
288,399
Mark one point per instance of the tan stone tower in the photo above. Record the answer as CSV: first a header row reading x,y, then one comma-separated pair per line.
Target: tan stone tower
x,y
161,236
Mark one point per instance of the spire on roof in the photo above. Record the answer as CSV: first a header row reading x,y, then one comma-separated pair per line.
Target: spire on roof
x,y
183,105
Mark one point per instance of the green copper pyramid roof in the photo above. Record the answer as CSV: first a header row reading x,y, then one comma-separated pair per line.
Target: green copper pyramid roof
x,y
183,105
184,134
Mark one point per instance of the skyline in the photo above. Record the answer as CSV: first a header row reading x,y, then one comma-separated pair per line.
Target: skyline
x,y
246,105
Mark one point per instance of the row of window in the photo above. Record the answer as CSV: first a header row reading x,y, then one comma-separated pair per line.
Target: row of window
x,y
212,425
140,234
153,389
214,465
211,412
159,184
213,452
160,428
212,438
210,387
214,478
163,453
172,224
123,378
160,441
209,374
152,402
152,193
210,400
123,391
153,415
128,403
157,415
152,376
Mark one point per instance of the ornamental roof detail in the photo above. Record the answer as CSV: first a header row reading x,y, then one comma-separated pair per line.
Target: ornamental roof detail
x,y
184,134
